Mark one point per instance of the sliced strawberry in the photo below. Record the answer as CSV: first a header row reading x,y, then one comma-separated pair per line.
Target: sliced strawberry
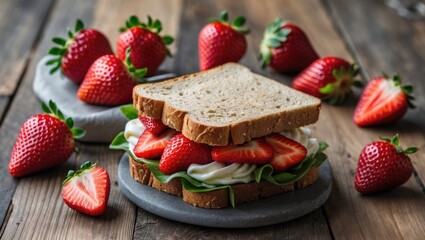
x,y
254,152
286,152
181,152
87,189
152,146
383,101
155,126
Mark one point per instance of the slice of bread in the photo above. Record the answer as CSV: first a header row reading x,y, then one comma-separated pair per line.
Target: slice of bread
x,y
219,198
226,105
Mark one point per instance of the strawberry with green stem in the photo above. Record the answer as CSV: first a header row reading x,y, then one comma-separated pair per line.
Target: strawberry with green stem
x,y
220,41
384,100
328,78
87,189
286,48
110,81
45,140
75,55
149,48
383,165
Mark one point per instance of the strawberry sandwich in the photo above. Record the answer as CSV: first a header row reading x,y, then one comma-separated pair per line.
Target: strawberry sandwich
x,y
222,137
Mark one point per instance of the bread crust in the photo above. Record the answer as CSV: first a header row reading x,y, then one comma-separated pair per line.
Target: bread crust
x,y
219,198
233,133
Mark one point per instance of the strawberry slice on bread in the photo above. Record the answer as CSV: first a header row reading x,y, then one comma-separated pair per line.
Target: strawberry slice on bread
x,y
286,152
181,152
254,152
155,126
151,146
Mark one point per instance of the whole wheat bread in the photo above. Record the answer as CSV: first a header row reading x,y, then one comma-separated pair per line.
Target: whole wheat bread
x,y
243,192
226,105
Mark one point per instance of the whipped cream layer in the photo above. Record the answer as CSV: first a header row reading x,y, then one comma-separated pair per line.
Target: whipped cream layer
x,y
216,173
133,129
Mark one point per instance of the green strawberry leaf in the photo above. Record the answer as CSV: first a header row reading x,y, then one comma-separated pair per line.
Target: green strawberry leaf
x,y
59,41
70,33
167,40
79,25
78,133
45,108
239,21
69,122
57,51
224,16
52,62
327,89
53,107
411,150
55,69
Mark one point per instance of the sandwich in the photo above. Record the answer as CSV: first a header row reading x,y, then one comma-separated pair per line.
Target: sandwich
x,y
222,137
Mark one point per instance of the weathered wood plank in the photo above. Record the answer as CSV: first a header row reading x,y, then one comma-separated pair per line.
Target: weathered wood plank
x,y
19,28
149,226
37,209
381,41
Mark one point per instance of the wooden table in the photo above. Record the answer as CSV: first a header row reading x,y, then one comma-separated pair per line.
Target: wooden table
x,y
367,32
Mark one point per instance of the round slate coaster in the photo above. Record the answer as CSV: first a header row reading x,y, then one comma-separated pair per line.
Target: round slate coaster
x,y
101,123
265,211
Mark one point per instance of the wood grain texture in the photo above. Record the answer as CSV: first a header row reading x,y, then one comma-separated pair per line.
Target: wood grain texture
x,y
37,201
150,226
378,40
44,215
19,28
382,42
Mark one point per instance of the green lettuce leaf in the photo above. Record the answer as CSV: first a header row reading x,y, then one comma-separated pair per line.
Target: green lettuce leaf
x,y
129,111
264,172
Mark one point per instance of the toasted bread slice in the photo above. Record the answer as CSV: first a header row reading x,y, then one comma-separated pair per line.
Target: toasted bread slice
x,y
226,105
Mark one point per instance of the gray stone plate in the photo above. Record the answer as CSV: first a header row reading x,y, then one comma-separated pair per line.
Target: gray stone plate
x,y
101,123
265,211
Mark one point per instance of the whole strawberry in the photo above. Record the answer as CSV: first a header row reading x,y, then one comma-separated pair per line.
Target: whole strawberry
x,y
149,49
45,140
383,165
328,78
110,81
87,189
220,42
180,152
75,55
285,48
383,101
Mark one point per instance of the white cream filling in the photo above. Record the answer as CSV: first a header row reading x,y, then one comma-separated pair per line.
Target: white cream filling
x,y
216,173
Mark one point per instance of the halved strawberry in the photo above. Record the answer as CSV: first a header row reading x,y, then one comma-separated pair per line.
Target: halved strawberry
x,y
286,152
383,101
87,189
254,152
152,146
181,152
155,126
